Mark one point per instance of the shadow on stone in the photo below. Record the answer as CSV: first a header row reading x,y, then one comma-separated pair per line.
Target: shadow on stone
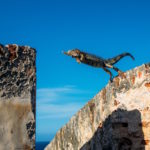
x,y
122,130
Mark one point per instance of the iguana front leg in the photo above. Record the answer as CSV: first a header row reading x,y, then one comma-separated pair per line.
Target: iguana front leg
x,y
80,59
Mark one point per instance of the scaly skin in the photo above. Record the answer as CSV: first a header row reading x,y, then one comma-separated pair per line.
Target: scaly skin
x,y
95,61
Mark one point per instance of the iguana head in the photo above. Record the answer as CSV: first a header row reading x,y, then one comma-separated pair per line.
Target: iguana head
x,y
75,53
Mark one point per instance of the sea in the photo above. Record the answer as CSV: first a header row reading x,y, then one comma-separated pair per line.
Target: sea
x,y
41,145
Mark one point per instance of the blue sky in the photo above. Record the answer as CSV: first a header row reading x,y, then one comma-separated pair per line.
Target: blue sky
x,y
105,28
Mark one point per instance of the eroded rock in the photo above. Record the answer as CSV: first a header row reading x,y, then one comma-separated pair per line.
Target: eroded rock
x,y
17,97
117,118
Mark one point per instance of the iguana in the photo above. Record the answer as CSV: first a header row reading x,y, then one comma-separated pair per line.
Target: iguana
x,y
95,61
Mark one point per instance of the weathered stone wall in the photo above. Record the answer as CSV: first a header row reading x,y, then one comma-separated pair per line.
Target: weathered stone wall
x,y
117,118
17,97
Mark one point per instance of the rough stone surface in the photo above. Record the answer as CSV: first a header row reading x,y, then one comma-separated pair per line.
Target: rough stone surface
x,y
117,118
17,97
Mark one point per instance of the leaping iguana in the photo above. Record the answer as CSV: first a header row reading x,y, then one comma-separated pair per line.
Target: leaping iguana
x,y
95,61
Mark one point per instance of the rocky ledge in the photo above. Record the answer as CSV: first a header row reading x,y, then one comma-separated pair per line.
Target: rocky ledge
x,y
117,118
17,97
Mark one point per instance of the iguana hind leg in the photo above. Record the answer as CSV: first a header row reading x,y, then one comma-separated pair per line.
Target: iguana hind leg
x,y
115,68
108,73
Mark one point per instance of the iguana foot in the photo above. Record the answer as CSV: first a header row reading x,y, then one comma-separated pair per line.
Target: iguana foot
x,y
121,74
111,80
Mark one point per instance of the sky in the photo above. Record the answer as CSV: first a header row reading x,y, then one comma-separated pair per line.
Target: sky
x,y
102,27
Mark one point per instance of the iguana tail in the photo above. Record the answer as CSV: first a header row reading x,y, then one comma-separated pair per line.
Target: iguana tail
x,y
114,60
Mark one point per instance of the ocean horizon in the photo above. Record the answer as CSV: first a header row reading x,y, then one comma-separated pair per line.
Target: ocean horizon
x,y
40,145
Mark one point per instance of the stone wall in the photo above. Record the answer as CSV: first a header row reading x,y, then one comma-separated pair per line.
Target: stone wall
x,y
117,118
17,97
